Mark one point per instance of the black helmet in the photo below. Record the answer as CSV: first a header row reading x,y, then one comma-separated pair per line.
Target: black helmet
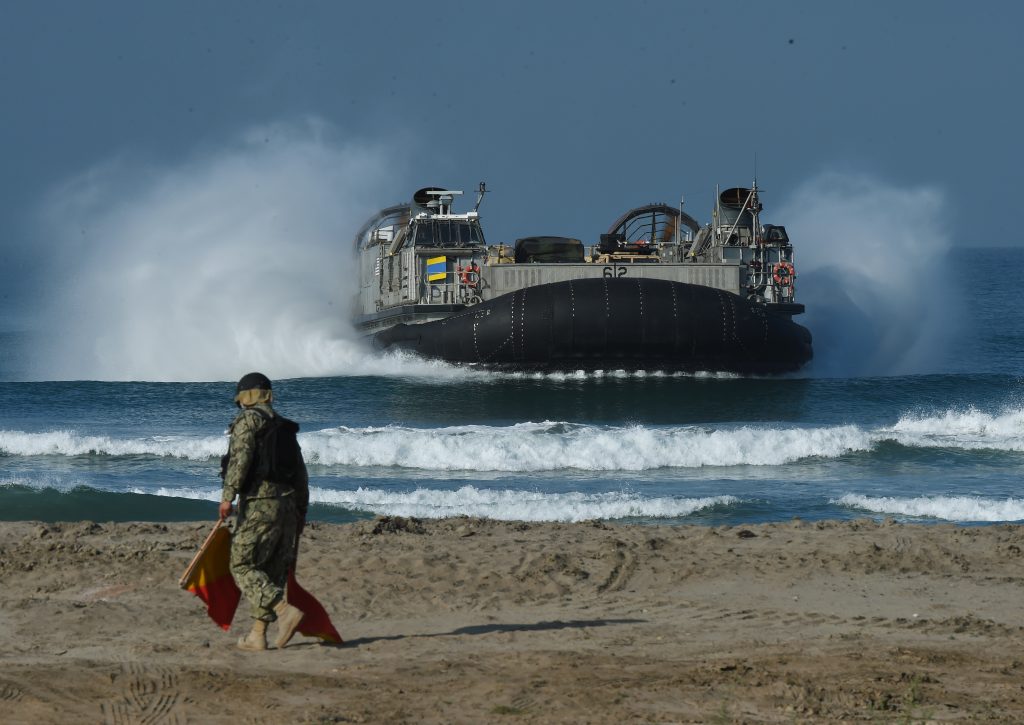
x,y
252,381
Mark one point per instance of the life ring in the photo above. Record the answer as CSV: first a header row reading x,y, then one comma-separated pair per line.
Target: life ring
x,y
783,273
470,274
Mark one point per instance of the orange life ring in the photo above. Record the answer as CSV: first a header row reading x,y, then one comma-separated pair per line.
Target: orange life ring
x,y
470,274
783,273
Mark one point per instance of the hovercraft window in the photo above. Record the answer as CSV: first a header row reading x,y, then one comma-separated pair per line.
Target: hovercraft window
x,y
445,233
549,250
774,234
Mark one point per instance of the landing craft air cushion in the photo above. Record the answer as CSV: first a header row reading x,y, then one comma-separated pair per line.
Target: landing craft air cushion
x,y
657,292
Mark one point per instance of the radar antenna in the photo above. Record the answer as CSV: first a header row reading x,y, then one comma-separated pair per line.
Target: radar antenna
x,y
442,201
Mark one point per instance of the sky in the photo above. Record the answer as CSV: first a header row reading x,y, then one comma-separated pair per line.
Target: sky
x,y
572,112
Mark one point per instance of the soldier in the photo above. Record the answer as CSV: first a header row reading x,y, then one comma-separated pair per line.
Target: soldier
x,y
272,502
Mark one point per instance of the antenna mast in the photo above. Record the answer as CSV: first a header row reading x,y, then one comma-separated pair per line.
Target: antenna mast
x,y
679,222
481,190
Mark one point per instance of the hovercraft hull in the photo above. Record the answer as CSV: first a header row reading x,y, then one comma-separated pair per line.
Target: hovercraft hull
x,y
612,323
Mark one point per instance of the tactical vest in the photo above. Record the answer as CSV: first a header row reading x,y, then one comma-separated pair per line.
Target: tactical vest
x,y
277,456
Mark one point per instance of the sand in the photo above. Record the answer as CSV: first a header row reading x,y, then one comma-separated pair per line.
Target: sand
x,y
469,621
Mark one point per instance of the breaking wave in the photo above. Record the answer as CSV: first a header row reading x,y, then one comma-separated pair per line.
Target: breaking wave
x,y
518,505
552,446
533,447
70,443
499,504
969,429
945,508
503,505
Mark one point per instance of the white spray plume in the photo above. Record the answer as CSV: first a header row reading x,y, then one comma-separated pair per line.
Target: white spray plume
x,y
236,259
871,259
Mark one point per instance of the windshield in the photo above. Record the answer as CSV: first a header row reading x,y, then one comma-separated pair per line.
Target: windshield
x,y
549,249
448,233
775,234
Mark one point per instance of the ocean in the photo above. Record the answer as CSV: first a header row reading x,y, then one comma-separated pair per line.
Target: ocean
x,y
943,443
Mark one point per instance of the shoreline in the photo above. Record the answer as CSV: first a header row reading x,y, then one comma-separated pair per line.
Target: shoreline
x,y
472,620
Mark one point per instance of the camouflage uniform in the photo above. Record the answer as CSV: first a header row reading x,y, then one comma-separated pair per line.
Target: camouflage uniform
x,y
264,542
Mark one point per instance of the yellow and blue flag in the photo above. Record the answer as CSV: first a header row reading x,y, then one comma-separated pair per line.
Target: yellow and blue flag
x,y
437,270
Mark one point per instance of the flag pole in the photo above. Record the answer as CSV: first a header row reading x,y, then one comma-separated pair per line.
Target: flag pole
x,y
183,582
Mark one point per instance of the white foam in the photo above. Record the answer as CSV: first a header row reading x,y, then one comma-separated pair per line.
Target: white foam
x,y
947,508
504,505
70,443
511,505
969,429
597,375
553,446
62,484
49,480
195,494
548,446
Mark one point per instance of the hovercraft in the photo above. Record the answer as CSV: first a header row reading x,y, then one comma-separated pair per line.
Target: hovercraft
x,y
657,292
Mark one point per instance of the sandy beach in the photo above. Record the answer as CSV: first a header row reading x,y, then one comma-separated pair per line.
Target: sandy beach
x,y
465,620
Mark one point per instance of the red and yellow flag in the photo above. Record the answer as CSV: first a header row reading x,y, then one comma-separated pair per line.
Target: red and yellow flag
x,y
209,578
316,623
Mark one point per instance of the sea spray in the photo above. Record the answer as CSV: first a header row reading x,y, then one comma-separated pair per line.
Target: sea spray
x,y
871,257
237,258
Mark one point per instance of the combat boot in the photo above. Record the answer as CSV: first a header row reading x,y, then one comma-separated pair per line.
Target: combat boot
x,y
256,640
288,620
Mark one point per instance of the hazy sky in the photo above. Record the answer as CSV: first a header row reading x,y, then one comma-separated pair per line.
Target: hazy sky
x,y
571,111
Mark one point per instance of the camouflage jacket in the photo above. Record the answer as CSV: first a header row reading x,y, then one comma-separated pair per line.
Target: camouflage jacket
x,y
244,432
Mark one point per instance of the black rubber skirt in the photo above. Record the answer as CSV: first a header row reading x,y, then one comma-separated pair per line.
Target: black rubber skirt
x,y
612,323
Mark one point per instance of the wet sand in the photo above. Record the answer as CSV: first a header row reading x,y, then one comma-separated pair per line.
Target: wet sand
x,y
475,621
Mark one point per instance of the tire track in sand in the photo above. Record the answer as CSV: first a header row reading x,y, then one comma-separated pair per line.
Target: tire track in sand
x,y
150,696
9,693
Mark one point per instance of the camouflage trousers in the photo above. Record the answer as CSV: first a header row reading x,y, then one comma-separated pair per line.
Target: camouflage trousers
x,y
263,550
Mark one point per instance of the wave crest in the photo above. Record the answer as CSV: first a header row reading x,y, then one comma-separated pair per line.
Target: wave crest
x,y
554,446
503,505
946,508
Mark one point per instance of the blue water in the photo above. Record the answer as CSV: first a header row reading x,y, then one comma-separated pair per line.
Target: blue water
x,y
946,445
